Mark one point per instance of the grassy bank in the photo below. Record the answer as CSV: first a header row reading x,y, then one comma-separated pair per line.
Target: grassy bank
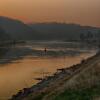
x,y
72,94
82,94
83,83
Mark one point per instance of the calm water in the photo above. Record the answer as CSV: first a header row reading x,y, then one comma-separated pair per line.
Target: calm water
x,y
21,64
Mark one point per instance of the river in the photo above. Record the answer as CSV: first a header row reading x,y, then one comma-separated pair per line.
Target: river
x,y
21,64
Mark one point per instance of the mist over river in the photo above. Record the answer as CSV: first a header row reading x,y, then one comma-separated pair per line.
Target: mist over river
x,y
20,64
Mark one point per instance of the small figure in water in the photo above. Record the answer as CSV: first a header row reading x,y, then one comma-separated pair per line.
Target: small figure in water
x,y
45,50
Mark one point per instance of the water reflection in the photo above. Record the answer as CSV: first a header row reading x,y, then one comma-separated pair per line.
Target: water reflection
x,y
21,64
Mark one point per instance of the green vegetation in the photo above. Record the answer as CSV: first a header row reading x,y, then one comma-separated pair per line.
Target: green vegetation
x,y
39,97
71,94
82,94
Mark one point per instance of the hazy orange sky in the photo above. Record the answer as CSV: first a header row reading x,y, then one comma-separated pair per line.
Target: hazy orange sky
x,y
85,12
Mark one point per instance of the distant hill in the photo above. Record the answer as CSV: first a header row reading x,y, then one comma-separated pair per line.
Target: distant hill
x,y
61,31
3,35
45,31
16,29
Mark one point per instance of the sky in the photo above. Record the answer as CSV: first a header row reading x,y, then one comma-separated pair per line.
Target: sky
x,y
84,12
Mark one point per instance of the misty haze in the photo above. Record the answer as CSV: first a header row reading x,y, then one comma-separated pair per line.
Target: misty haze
x,y
49,50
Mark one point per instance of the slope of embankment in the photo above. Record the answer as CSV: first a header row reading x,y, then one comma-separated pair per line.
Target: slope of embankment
x,y
81,82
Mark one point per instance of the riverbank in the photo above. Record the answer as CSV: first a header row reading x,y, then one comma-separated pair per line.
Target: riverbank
x,y
63,79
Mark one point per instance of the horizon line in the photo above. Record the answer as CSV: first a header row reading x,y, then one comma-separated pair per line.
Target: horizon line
x,y
48,22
